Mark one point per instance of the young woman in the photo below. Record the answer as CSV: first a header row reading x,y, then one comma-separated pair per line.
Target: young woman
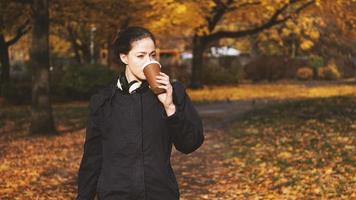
x,y
131,130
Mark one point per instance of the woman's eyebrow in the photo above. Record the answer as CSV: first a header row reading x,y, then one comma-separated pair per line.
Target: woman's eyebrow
x,y
146,52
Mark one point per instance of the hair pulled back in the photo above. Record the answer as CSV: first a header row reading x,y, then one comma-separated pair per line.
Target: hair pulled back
x,y
122,44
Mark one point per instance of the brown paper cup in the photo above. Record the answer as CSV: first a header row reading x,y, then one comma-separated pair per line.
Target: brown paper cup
x,y
151,69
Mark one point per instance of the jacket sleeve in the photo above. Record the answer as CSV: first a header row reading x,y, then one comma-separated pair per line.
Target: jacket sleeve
x,y
185,124
90,165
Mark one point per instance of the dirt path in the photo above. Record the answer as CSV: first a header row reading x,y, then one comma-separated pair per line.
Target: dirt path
x,y
199,171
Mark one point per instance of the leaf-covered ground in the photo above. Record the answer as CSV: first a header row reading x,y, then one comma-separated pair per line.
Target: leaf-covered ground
x,y
299,150
38,167
304,149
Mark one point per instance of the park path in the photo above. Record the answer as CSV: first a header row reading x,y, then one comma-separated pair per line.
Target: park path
x,y
199,171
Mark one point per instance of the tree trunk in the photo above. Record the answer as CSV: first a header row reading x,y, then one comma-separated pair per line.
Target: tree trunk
x,y
255,50
4,59
41,113
197,62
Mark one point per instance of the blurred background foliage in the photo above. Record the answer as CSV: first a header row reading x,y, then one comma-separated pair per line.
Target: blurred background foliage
x,y
200,43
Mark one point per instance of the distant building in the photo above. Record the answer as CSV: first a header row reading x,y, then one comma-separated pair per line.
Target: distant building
x,y
224,51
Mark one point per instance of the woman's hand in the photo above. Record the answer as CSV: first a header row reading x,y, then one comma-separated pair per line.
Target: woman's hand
x,y
166,98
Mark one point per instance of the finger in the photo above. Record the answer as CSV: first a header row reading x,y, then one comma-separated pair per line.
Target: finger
x,y
169,86
164,87
162,77
163,81
168,89
163,74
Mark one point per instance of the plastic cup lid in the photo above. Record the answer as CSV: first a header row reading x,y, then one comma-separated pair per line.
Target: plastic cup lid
x,y
150,62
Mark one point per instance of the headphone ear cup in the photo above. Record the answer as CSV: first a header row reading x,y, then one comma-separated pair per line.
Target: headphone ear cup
x,y
133,85
128,87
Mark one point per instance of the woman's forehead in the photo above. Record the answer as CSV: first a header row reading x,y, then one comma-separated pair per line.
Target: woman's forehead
x,y
145,45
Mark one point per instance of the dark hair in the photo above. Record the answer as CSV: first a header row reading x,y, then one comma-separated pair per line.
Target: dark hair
x,y
122,44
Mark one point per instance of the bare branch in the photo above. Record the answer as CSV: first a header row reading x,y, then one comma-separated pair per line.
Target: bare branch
x,y
21,31
273,20
217,13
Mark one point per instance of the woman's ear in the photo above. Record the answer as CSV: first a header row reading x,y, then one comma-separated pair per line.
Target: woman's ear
x,y
123,58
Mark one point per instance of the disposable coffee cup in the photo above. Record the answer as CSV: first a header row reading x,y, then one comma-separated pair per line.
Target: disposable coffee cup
x,y
151,69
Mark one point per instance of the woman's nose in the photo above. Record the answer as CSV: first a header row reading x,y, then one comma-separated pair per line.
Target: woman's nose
x,y
150,58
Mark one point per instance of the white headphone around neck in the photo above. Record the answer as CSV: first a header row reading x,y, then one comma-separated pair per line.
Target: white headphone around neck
x,y
123,84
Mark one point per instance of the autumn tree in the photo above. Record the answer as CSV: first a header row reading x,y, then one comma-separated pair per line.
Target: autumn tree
x,y
14,23
291,39
337,32
325,30
73,21
209,21
270,14
41,112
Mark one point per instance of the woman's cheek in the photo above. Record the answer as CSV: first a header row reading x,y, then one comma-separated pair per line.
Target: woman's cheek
x,y
142,75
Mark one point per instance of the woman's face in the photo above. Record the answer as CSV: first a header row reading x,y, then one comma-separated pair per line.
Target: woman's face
x,y
142,51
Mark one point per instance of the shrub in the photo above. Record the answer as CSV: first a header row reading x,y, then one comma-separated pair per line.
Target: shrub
x,y
216,70
176,69
330,72
79,82
305,73
74,82
316,61
346,66
273,68
17,92
222,70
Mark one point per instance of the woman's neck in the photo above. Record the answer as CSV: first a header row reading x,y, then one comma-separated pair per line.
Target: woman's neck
x,y
130,76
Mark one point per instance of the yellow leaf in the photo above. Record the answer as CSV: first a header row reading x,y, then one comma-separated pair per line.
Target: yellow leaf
x,y
306,44
285,155
286,32
314,34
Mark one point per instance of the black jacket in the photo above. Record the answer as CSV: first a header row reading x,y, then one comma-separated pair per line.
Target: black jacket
x,y
129,141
